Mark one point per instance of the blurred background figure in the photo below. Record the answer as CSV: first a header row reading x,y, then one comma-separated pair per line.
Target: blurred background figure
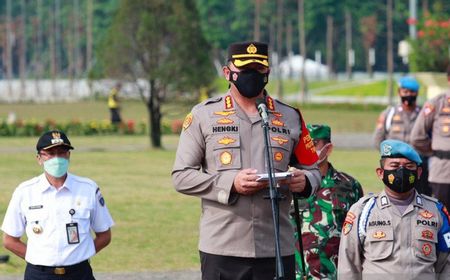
x,y
114,104
431,134
396,122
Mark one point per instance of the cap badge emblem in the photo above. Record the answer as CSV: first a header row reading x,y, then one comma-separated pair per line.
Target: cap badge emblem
x,y
387,150
252,49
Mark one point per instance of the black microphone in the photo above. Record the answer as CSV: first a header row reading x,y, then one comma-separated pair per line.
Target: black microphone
x,y
262,109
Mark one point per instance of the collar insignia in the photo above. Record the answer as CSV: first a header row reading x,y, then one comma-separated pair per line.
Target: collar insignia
x,y
228,102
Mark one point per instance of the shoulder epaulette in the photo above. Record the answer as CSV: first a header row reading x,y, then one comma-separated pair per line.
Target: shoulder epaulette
x,y
429,198
212,100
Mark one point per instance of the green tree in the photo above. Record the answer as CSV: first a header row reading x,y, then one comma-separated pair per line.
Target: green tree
x,y
159,41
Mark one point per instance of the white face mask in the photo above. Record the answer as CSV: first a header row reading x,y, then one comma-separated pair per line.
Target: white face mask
x,y
322,153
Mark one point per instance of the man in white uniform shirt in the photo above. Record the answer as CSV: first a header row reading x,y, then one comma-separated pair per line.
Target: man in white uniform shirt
x,y
57,211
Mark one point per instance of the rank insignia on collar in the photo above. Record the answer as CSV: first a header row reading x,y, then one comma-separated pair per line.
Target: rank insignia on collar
x,y
426,214
277,122
229,102
427,249
280,140
278,156
225,121
427,234
379,234
226,158
384,201
226,140
419,200
187,121
225,113
270,104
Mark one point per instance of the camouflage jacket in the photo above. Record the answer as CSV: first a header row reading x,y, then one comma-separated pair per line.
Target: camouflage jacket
x,y
322,216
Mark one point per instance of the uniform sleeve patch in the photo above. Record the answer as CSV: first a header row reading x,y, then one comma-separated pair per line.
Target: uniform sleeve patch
x,y
187,121
428,109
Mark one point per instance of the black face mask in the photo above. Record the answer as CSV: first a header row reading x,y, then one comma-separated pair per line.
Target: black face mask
x,y
409,100
400,180
249,82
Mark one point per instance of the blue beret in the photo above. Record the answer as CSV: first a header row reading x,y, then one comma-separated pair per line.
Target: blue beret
x,y
398,149
409,82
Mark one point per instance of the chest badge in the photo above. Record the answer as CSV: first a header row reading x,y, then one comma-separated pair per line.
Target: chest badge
x,y
427,249
226,140
277,122
225,121
37,229
426,214
278,156
379,235
226,158
280,140
224,113
427,234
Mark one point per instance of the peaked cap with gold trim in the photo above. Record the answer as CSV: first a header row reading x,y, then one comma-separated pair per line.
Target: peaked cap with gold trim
x,y
52,139
244,53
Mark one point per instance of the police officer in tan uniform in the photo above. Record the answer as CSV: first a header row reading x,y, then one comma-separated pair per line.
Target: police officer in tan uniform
x,y
398,233
431,134
219,157
396,122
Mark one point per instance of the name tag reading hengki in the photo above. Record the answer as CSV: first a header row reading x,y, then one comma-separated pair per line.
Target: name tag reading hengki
x,y
72,233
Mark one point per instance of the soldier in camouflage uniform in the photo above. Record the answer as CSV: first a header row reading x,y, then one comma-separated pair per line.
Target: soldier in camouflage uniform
x,y
323,214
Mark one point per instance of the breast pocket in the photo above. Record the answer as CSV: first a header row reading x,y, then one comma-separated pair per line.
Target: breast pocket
x,y
444,125
281,156
379,243
425,244
227,152
82,217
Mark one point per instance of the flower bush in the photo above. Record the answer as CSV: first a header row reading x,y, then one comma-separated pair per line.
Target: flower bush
x,y
73,127
431,48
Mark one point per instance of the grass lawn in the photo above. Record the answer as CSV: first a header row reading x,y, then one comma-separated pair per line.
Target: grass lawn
x,y
156,228
340,117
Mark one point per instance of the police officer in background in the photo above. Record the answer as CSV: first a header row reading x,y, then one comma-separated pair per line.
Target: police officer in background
x,y
220,154
396,122
431,134
398,233
323,213
57,211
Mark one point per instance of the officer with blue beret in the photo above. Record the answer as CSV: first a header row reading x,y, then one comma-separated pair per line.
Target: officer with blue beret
x,y
398,232
397,122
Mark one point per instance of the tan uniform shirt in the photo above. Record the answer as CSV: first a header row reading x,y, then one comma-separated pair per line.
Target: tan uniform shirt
x,y
378,242
218,140
395,123
431,133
